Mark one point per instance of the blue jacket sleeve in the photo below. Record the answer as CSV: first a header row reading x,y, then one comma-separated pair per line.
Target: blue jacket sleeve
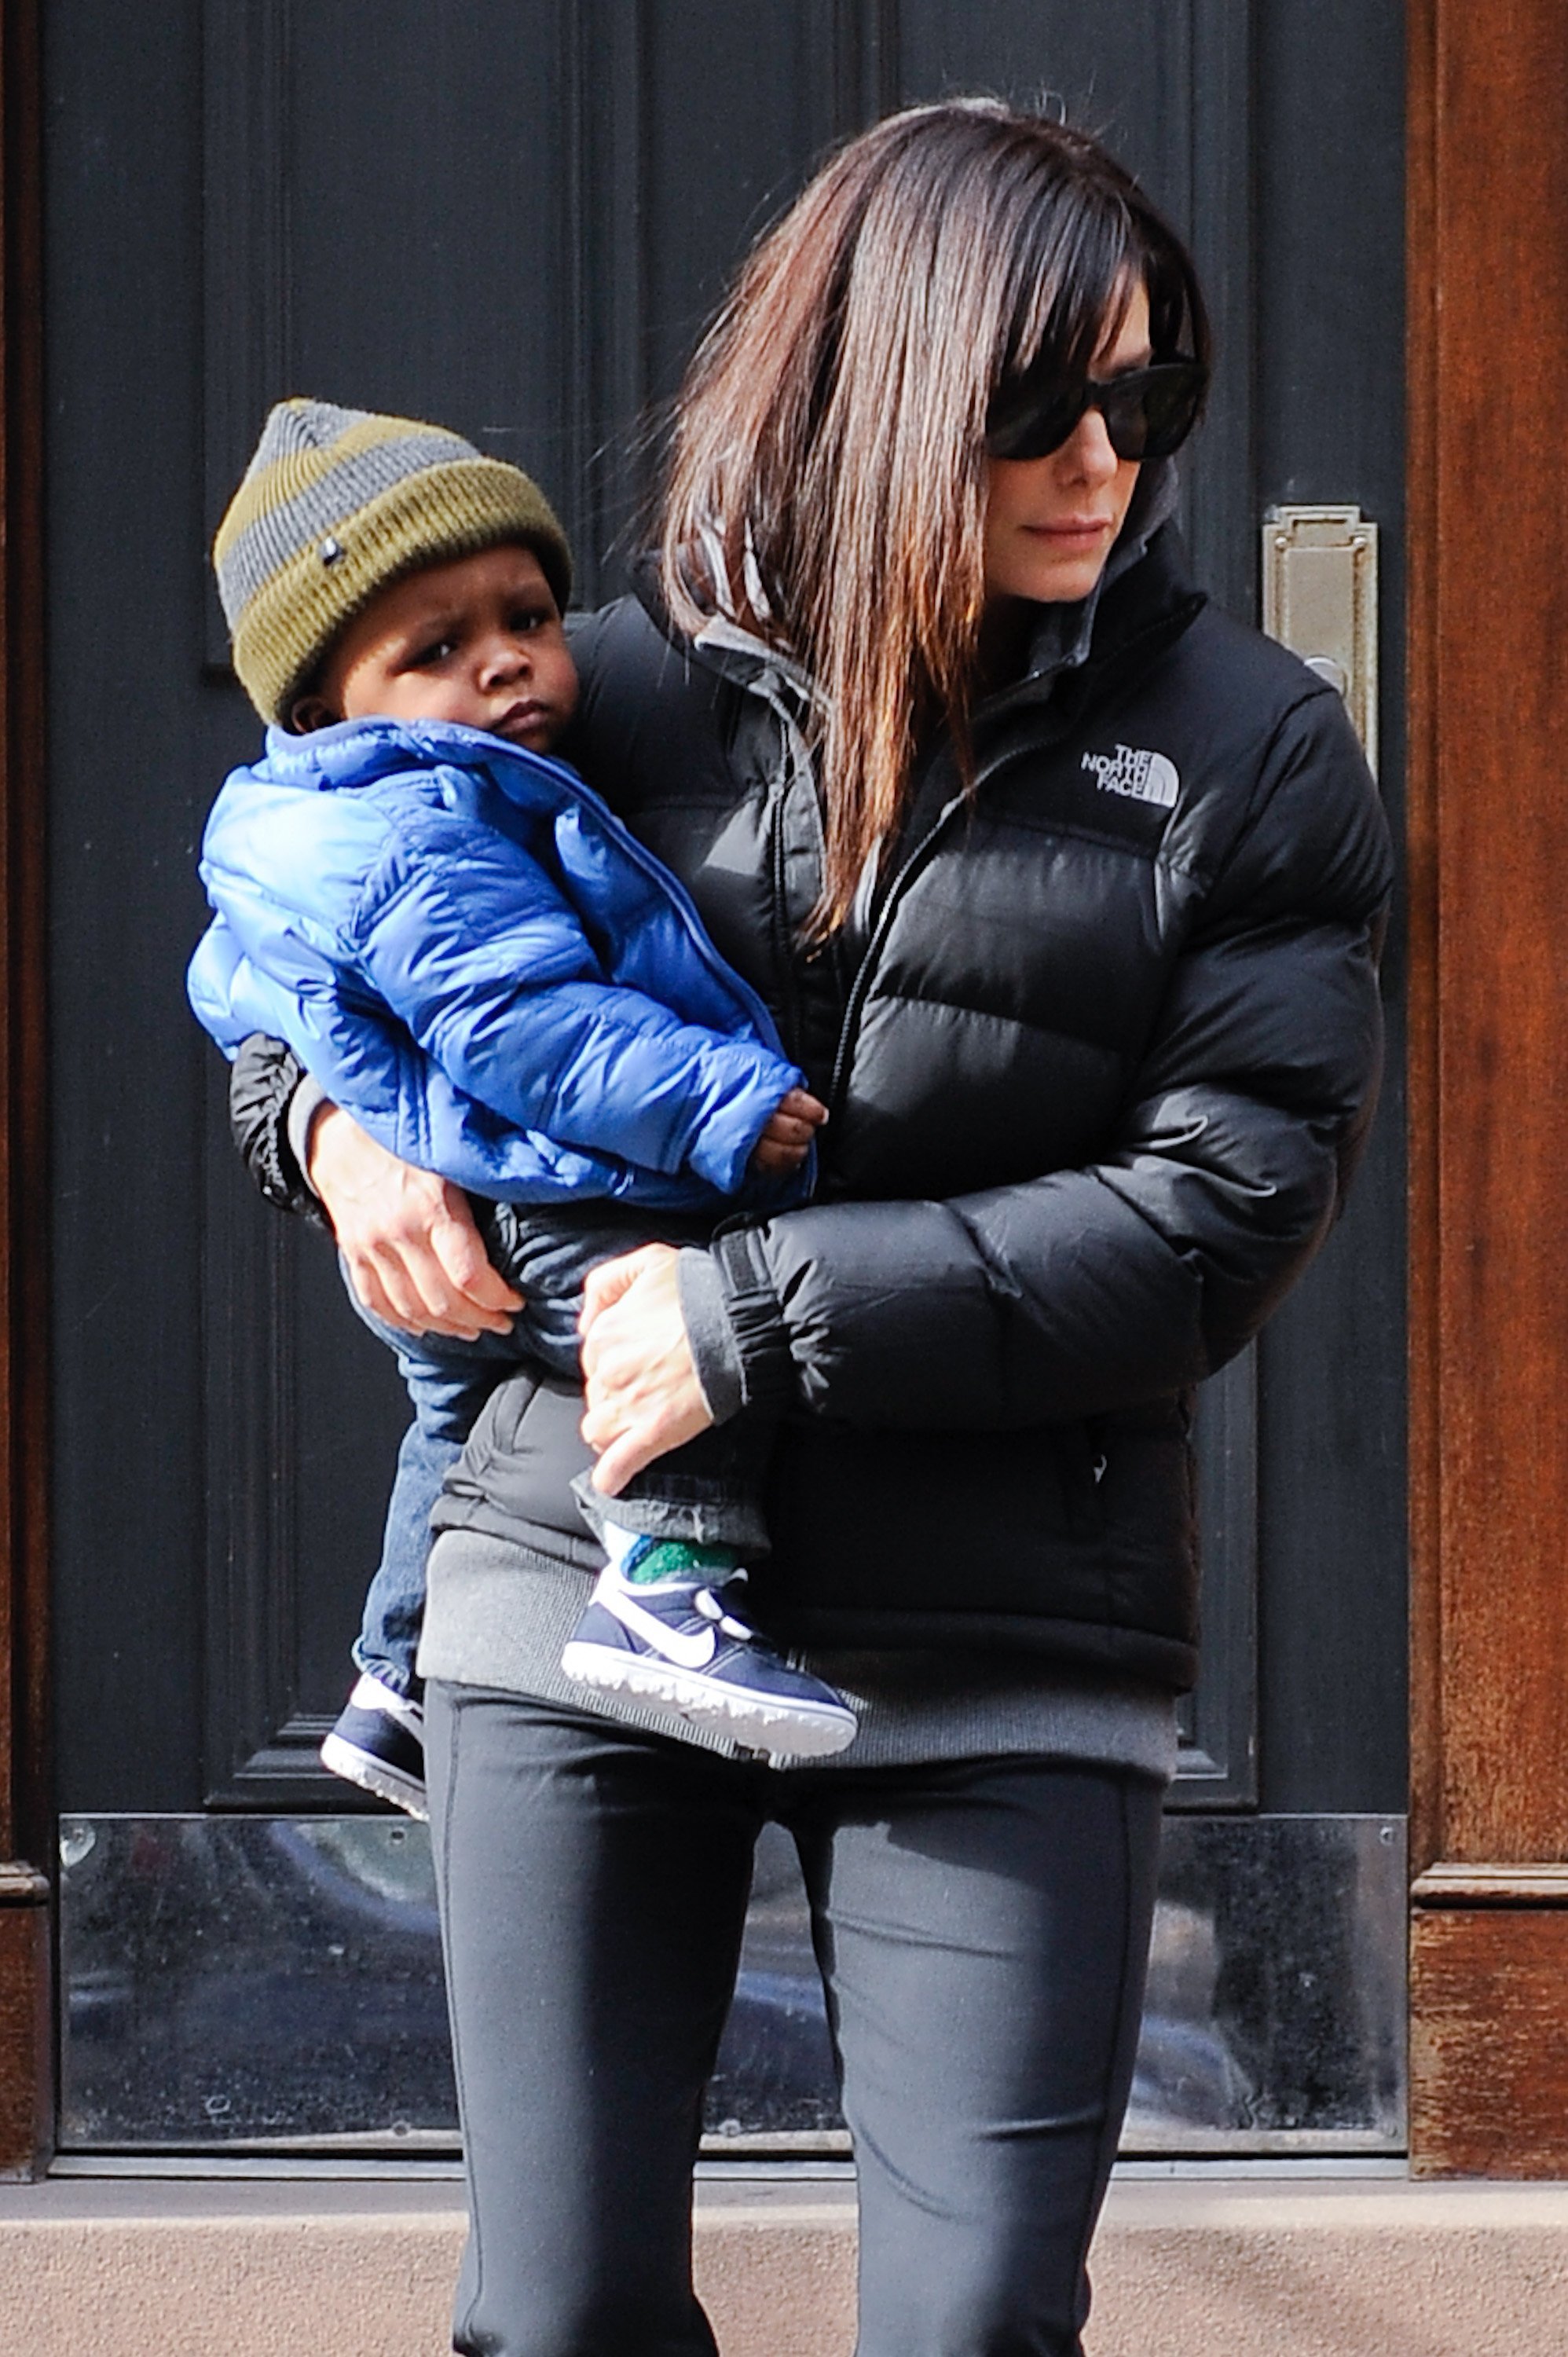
x,y
489,965
367,1060
370,1064
332,920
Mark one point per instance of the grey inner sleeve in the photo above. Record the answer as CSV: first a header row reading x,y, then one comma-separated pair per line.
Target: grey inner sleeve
x,y
303,1107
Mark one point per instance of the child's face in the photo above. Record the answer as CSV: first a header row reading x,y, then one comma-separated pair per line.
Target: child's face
x,y
479,642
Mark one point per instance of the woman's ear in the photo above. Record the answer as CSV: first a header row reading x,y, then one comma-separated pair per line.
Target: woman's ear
x,y
309,713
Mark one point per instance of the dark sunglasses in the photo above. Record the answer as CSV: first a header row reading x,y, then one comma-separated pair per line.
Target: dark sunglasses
x,y
1147,413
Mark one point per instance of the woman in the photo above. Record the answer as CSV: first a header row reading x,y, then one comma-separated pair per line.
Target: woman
x,y
1066,891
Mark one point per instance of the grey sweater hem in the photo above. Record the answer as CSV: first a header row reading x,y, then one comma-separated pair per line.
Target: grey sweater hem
x,y
498,1617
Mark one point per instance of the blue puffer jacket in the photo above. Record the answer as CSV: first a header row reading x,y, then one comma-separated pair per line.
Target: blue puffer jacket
x,y
479,961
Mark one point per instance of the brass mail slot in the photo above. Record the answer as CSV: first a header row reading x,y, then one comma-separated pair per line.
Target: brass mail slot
x,y
1320,599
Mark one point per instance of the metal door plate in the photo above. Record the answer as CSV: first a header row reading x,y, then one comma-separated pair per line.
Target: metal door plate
x,y
270,1986
1320,599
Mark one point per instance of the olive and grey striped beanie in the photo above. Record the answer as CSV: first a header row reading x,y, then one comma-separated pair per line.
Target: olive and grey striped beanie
x,y
337,502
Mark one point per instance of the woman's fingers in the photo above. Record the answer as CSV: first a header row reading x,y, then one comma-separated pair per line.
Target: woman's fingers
x,y
414,1256
423,1255
365,1278
460,1250
612,1278
434,1298
643,1397
638,1448
635,1414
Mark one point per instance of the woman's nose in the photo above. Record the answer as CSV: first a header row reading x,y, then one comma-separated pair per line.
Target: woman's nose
x,y
1087,451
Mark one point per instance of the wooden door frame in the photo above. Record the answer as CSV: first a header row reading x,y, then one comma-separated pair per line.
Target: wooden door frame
x,y
1488,865
25,2032
1486,175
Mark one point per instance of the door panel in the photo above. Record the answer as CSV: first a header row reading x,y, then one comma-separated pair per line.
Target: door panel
x,y
513,216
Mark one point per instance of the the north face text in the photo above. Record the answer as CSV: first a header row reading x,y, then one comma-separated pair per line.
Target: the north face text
x,y
1142,777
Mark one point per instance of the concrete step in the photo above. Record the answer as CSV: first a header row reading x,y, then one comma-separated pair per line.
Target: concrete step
x,y
1186,2267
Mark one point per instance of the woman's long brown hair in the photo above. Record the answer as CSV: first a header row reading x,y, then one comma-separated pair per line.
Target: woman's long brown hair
x,y
826,480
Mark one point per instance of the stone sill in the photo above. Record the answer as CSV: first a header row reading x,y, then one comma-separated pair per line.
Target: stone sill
x,y
1186,2266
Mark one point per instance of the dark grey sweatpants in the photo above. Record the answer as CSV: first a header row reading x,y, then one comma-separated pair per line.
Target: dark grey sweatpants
x,y
981,1928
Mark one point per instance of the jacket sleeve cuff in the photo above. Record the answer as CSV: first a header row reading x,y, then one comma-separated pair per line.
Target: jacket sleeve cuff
x,y
768,1371
261,1082
708,1329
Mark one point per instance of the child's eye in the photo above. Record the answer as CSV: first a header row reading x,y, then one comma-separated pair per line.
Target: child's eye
x,y
530,617
437,651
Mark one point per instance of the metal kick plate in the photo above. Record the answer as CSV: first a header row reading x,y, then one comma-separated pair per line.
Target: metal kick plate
x,y
1320,599
268,1984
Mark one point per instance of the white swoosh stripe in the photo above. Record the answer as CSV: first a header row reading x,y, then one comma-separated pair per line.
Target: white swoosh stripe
x,y
688,1652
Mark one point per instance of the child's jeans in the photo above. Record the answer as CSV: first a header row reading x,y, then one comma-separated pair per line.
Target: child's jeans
x,y
706,1492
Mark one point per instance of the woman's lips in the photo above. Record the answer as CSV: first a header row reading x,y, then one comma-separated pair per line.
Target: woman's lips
x,y
1077,528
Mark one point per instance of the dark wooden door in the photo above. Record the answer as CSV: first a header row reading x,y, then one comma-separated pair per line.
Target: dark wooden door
x,y
513,216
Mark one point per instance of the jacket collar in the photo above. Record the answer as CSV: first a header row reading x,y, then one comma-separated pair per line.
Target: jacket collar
x,y
1064,636
358,753
1152,602
1145,586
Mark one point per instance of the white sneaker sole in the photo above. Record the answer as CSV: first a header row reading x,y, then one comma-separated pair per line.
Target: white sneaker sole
x,y
790,1731
373,1775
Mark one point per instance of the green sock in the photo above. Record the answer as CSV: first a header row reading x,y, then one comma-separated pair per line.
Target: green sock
x,y
646,1559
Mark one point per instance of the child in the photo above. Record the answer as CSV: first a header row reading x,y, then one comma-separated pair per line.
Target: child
x,y
469,953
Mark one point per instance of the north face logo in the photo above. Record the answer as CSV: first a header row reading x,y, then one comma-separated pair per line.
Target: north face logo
x,y
1143,776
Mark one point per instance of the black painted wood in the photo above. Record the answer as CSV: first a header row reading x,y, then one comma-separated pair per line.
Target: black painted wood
x,y
513,216
131,764
1329,197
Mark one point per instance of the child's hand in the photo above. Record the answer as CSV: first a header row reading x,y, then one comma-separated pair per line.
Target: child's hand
x,y
787,1140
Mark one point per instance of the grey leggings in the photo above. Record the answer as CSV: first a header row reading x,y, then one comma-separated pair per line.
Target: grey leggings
x,y
981,1928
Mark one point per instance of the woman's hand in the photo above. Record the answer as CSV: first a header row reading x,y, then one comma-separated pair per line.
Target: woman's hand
x,y
643,1397
413,1252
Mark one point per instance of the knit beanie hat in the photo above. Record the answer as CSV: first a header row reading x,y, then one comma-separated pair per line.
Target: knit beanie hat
x,y
337,502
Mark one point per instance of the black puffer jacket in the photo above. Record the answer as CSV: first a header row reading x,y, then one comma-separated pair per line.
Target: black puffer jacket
x,y
1099,1072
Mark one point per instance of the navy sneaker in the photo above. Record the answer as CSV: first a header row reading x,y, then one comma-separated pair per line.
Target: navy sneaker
x,y
378,1744
683,1642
